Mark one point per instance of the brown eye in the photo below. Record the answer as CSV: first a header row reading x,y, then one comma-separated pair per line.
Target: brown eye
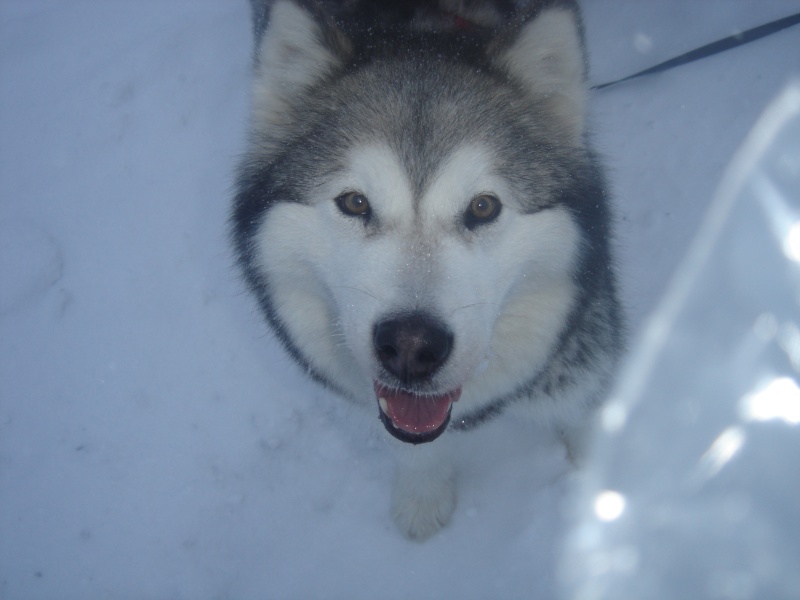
x,y
353,204
482,209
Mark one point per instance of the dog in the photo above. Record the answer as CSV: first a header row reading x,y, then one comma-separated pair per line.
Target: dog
x,y
424,223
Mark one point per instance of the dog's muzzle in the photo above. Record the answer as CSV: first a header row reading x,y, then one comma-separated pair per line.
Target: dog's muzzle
x,y
411,348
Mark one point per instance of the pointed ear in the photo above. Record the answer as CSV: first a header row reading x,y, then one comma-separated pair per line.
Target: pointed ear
x,y
547,57
295,52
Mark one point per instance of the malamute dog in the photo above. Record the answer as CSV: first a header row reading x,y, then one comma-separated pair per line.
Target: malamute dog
x,y
423,222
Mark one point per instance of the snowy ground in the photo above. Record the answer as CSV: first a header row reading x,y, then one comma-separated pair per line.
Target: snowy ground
x,y
154,441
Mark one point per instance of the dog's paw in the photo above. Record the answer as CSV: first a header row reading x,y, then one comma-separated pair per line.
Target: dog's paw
x,y
423,503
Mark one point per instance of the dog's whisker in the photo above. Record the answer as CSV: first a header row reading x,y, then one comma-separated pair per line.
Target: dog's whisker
x,y
473,305
357,289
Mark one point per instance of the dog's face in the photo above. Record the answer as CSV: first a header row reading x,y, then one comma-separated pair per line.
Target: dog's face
x,y
416,254
402,294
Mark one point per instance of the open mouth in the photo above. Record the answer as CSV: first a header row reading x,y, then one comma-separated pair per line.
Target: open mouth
x,y
415,418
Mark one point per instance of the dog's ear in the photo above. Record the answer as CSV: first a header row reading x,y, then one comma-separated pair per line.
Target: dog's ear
x,y
547,57
296,51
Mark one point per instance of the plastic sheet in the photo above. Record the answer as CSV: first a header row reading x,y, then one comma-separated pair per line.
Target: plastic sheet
x,y
693,490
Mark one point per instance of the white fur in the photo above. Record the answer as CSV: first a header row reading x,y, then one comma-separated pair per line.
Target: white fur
x,y
424,491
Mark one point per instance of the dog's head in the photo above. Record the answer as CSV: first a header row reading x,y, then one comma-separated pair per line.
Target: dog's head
x,y
410,211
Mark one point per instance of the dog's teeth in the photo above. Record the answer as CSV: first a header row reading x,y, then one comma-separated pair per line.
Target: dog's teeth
x,y
384,405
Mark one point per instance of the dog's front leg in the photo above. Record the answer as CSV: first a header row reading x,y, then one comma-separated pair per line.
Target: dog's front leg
x,y
424,494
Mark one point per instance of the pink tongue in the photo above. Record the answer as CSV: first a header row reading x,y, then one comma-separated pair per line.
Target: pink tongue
x,y
414,413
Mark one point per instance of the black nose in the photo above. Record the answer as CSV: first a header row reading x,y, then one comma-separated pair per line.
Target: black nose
x,y
413,346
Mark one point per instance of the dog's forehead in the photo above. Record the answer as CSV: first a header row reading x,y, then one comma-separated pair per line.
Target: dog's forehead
x,y
421,109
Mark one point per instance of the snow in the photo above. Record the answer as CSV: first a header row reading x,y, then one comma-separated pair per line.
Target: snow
x,y
154,440
691,488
